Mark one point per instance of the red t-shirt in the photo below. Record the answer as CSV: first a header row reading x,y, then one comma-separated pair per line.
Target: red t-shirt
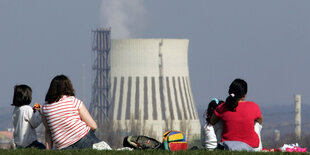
x,y
239,125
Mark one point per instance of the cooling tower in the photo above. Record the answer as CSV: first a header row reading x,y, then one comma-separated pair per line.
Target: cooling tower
x,y
150,87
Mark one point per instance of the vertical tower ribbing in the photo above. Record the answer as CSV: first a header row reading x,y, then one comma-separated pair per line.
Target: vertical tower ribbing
x,y
150,88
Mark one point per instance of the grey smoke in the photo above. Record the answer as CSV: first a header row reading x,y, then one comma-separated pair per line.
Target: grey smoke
x,y
126,17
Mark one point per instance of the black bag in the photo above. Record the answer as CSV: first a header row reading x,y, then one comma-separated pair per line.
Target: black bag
x,y
141,142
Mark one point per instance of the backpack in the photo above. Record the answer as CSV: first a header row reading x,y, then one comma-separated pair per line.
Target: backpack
x,y
141,142
174,141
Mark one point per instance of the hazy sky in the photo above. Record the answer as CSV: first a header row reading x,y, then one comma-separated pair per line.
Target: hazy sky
x,y
265,42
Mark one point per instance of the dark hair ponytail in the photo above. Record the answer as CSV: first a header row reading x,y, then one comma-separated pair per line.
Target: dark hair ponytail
x,y
211,107
237,90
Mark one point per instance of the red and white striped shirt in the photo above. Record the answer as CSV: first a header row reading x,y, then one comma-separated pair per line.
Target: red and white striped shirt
x,y
64,121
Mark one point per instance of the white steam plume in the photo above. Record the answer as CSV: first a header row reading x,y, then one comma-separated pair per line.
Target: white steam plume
x,y
126,17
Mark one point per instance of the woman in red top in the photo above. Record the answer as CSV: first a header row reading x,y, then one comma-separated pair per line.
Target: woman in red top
x,y
238,118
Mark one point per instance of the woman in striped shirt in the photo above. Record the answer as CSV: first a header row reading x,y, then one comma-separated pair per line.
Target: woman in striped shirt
x,y
67,122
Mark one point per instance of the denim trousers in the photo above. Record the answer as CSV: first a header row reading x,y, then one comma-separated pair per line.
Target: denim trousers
x,y
236,146
86,142
37,145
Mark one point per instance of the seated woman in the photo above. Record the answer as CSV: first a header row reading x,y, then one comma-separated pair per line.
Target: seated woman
x,y
213,133
238,117
67,122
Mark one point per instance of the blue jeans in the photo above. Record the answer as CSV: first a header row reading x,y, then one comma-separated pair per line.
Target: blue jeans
x,y
86,142
37,145
236,146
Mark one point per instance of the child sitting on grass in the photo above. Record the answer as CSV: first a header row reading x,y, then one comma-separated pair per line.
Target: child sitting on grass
x,y
25,119
213,133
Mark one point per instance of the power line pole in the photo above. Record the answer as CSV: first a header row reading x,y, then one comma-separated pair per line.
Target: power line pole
x,y
83,82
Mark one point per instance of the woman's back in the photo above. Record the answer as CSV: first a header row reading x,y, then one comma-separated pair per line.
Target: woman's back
x,y
239,124
64,121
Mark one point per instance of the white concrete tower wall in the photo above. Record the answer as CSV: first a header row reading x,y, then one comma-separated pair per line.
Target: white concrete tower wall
x,y
150,84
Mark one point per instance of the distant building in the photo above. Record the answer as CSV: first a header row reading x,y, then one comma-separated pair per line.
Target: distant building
x,y
277,135
150,87
6,139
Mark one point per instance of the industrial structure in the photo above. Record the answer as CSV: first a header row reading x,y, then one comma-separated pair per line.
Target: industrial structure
x,y
101,98
147,82
298,116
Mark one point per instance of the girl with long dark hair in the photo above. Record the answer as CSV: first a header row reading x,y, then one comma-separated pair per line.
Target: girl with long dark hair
x,y
239,117
213,133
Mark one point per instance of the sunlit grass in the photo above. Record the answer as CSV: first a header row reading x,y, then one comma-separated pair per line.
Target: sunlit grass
x,y
135,152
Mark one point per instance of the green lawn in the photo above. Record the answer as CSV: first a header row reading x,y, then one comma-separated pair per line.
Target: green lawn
x,y
136,152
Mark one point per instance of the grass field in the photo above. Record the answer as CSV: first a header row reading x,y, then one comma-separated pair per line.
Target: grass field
x,y
136,152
